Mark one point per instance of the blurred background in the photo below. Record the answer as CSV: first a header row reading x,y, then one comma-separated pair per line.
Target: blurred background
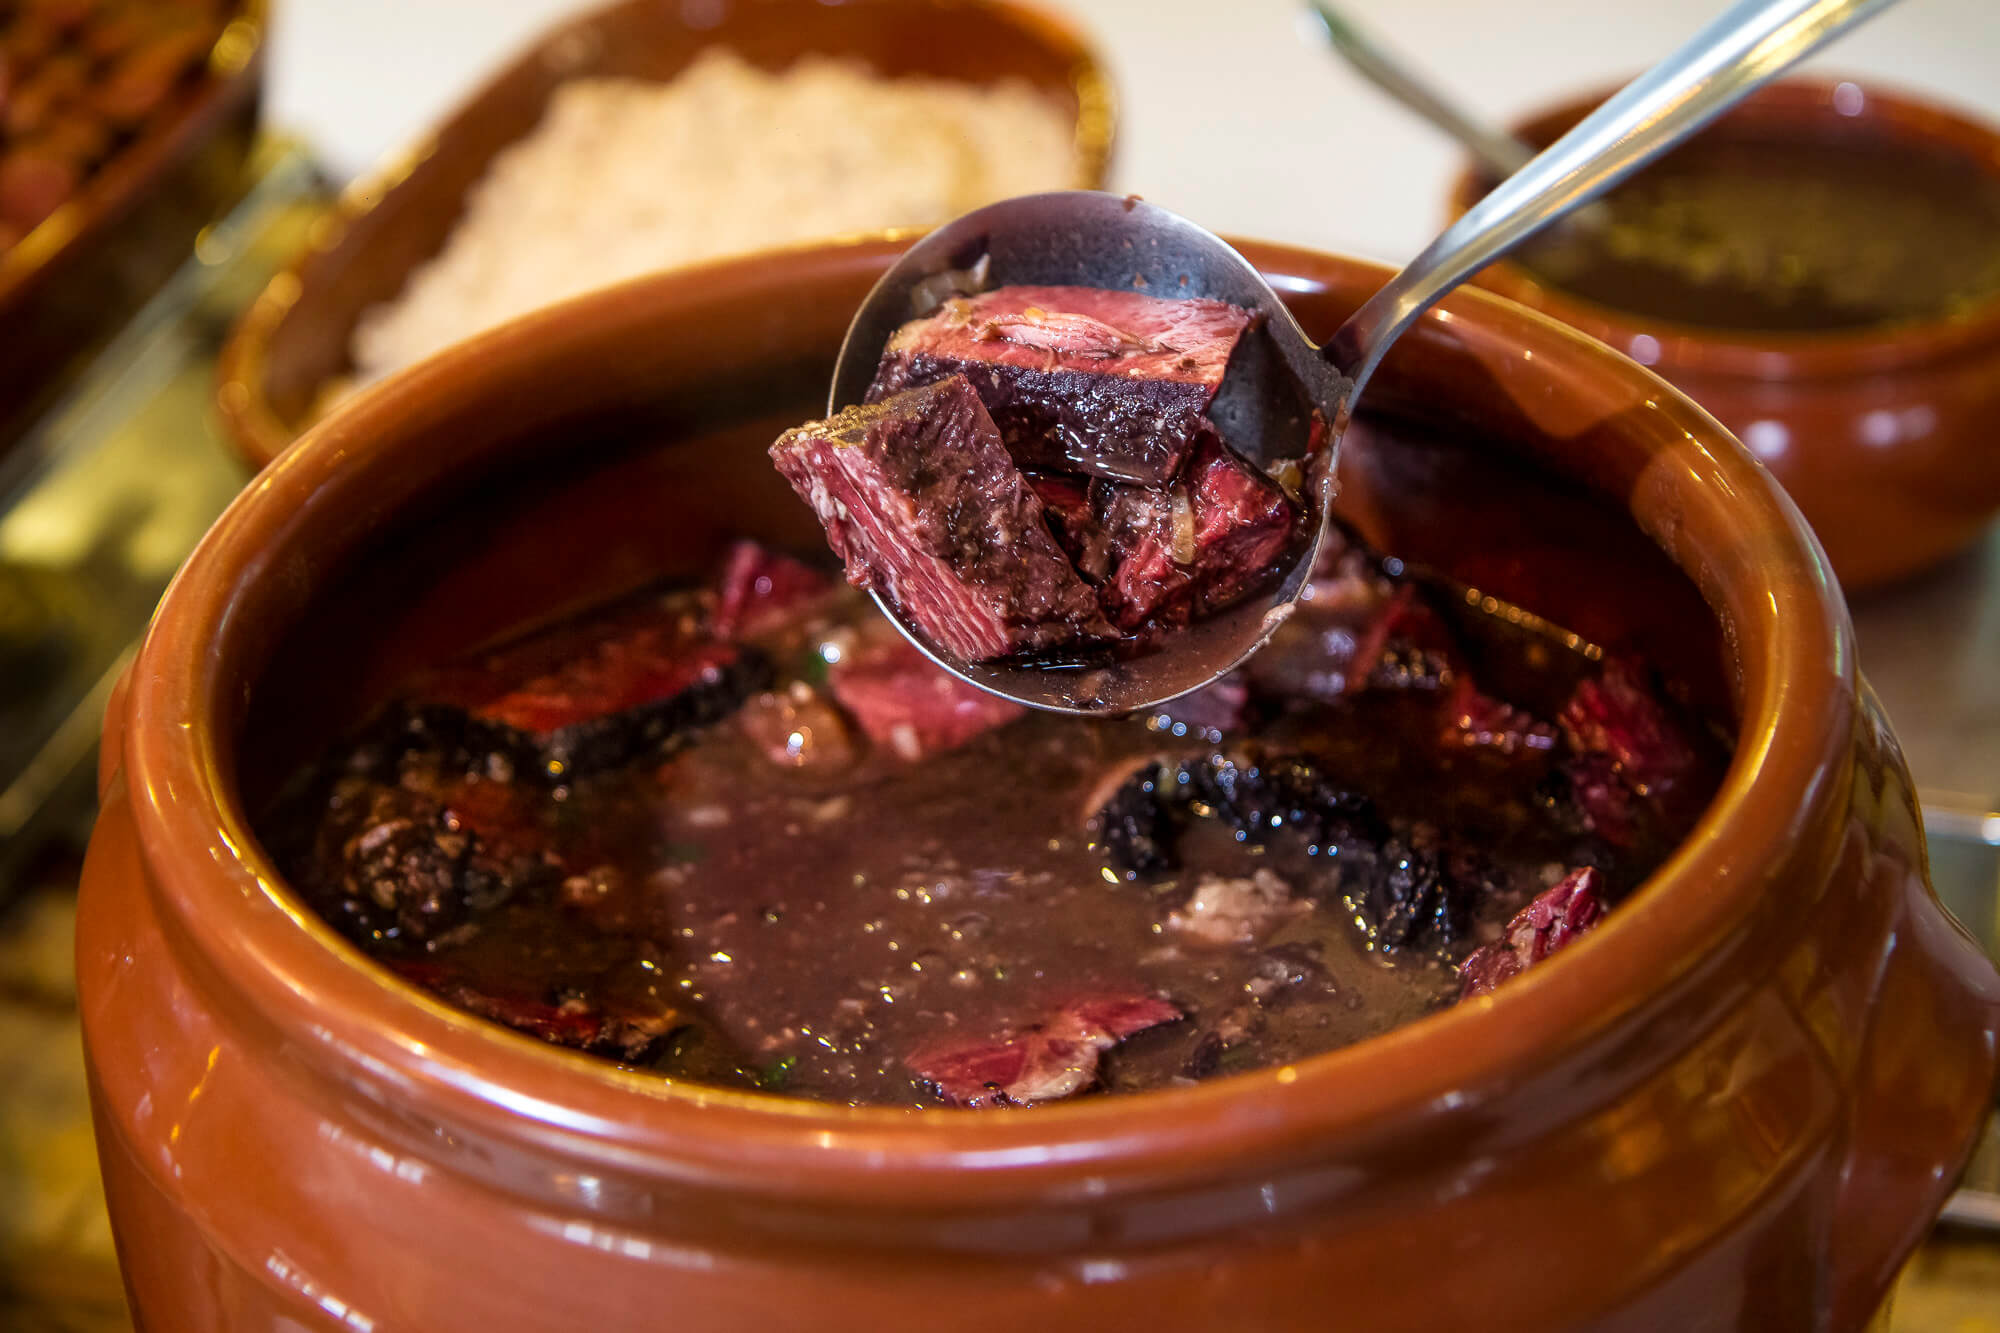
x,y
1235,112
1232,111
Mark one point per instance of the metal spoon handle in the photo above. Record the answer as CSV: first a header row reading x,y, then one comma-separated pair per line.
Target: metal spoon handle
x,y
1740,51
1500,153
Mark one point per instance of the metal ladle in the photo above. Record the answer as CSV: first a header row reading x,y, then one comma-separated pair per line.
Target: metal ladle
x,y
1278,381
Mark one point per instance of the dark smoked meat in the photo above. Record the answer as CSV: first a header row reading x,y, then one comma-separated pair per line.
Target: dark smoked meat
x,y
1545,925
1479,722
1108,383
1138,824
393,864
922,503
1196,547
1617,717
903,700
584,703
1045,1061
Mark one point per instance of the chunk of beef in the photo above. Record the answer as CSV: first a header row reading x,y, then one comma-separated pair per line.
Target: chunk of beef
x,y
1545,925
1224,913
923,504
1044,1061
1601,801
395,865
1109,383
1479,722
628,1035
903,700
1617,717
759,589
580,700
1196,547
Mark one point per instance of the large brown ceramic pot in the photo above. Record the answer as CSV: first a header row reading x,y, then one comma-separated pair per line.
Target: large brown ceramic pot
x,y
1736,1105
1884,436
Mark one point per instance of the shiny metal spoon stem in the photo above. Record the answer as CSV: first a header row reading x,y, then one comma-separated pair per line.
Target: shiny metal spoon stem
x,y
1500,153
1744,48
1279,383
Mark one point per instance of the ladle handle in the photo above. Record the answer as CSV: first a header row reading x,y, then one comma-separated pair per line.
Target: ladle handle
x,y
1497,151
1743,49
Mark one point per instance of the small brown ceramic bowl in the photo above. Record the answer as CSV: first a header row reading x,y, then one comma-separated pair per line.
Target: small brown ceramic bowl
x,y
292,343
1736,1105
69,284
1883,436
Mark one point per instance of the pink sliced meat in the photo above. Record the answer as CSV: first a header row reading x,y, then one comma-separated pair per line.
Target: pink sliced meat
x,y
1196,547
1477,721
1608,807
1615,716
901,699
759,588
1109,383
1042,1062
1066,504
1544,926
924,505
582,701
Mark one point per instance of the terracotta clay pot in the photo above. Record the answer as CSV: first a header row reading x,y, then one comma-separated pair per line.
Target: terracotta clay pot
x,y
1883,436
1736,1105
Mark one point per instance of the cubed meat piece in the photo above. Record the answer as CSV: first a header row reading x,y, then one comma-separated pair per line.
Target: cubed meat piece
x,y
1545,925
1197,546
923,504
1066,504
1043,1062
1477,721
1110,383
623,688
760,589
903,700
1603,803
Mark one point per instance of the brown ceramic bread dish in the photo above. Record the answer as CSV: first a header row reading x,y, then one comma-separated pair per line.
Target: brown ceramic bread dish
x,y
294,341
1736,1102
124,128
1870,386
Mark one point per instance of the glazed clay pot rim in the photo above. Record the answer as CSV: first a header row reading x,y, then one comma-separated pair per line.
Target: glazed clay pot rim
x,y
272,961
1752,354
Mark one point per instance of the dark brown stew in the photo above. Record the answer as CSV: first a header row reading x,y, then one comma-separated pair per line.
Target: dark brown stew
x,y
744,834
1788,234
